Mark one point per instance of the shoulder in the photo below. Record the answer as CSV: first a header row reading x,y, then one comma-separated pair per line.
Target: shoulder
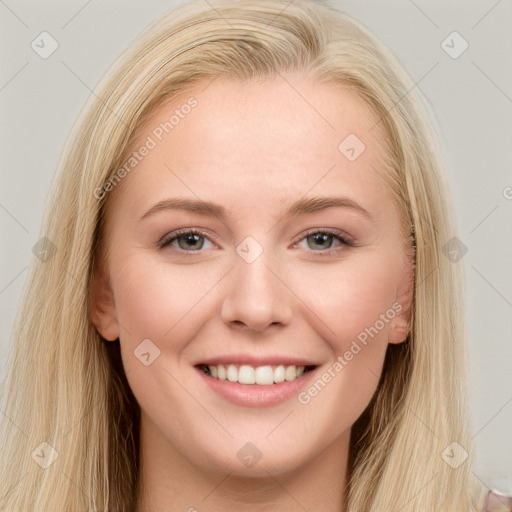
x,y
495,501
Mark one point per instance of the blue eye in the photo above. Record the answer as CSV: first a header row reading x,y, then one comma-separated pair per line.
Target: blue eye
x,y
190,240
322,241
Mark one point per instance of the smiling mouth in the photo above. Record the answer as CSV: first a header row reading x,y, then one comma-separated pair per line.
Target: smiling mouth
x,y
255,375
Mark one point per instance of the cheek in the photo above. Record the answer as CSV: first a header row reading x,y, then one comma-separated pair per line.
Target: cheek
x,y
343,301
157,300
350,300
351,306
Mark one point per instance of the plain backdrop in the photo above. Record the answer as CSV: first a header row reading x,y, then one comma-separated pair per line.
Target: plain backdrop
x,y
469,95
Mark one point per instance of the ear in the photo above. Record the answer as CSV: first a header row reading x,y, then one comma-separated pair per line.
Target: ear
x,y
400,324
102,310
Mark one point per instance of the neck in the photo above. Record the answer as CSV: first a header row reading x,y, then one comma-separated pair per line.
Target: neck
x,y
169,482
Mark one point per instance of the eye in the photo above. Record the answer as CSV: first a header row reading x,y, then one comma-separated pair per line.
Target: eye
x,y
185,240
323,240
189,240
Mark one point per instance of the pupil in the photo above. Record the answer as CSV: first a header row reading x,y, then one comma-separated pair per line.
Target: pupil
x,y
190,240
321,238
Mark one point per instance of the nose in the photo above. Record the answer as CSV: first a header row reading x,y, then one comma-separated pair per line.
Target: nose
x,y
256,297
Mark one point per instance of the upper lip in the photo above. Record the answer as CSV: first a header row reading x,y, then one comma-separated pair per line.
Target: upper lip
x,y
272,360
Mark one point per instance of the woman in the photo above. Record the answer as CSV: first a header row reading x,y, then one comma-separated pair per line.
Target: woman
x,y
192,342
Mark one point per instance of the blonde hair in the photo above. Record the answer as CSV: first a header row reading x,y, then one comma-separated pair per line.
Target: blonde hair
x,y
66,387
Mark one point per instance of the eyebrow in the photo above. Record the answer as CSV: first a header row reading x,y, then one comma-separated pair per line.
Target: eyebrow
x,y
301,207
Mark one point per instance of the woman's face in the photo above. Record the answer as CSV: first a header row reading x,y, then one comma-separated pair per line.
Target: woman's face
x,y
295,260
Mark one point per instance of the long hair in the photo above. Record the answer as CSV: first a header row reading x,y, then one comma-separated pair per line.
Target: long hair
x,y
67,400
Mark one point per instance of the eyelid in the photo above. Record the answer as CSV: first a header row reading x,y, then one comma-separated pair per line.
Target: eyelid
x,y
343,237
185,231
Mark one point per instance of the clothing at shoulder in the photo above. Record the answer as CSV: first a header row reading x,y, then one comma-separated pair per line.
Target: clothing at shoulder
x,y
495,501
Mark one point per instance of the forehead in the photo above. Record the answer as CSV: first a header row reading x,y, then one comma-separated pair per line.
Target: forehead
x,y
277,137
264,115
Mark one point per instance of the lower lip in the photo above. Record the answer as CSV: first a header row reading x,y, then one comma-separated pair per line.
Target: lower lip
x,y
254,395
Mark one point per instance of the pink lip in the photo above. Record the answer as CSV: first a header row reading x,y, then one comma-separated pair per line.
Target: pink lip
x,y
253,395
257,361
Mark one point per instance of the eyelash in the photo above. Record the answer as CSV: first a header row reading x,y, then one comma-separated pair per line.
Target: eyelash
x,y
168,239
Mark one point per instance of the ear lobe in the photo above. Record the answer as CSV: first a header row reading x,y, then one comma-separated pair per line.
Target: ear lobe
x,y
399,328
102,310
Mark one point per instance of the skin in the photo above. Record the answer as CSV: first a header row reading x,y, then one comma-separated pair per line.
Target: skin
x,y
254,148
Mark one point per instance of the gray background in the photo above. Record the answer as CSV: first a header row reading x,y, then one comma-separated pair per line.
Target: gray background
x,y
470,99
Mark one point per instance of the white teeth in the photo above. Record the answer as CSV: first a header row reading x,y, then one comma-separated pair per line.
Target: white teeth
x,y
290,373
279,374
246,375
232,373
261,375
264,375
221,372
